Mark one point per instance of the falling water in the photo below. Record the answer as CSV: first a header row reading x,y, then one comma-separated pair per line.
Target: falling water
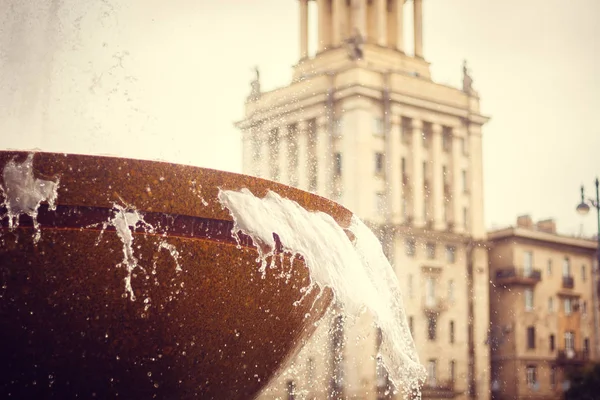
x,y
358,272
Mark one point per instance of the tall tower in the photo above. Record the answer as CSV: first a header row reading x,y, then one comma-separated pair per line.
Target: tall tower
x,y
363,123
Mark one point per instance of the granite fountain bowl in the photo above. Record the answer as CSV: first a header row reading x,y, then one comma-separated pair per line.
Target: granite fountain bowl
x,y
193,317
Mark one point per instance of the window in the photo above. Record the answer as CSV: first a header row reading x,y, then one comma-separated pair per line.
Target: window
x,y
528,299
432,373
569,341
566,267
451,291
310,370
549,268
586,346
446,140
463,146
338,164
256,148
380,203
430,250
531,337
528,263
552,343
568,306
450,254
411,325
431,327
465,217
406,130
273,142
381,373
551,304
410,247
553,377
379,163
584,307
531,372
429,292
451,331
312,184
452,371
583,273
464,181
425,177
410,286
378,126
291,390
403,167
339,127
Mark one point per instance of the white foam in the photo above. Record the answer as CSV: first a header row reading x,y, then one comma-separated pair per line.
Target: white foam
x,y
23,193
125,220
359,273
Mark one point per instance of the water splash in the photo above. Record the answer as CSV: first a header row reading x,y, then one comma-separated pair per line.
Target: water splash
x,y
357,271
172,250
23,193
126,219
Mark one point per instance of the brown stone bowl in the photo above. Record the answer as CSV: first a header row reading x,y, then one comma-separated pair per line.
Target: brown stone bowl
x,y
213,330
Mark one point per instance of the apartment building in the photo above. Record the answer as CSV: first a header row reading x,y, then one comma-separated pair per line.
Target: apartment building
x,y
541,309
363,123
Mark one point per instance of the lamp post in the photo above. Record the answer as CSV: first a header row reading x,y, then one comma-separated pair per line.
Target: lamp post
x,y
583,208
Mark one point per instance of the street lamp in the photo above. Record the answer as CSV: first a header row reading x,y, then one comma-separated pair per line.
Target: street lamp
x,y
583,208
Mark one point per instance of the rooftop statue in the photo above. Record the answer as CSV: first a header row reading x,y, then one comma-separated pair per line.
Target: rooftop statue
x,y
255,86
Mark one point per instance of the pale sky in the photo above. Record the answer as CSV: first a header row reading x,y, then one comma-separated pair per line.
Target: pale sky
x,y
166,80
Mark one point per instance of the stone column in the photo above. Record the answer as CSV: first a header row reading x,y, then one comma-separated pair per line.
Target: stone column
x,y
417,174
302,155
400,25
359,16
323,158
324,16
303,29
437,177
247,151
457,195
339,22
381,10
395,178
293,155
392,24
418,26
475,172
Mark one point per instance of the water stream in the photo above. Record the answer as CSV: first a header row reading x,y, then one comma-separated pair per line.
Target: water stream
x,y
358,272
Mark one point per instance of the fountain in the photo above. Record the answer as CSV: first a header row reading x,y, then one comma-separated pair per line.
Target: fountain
x,y
130,282
144,279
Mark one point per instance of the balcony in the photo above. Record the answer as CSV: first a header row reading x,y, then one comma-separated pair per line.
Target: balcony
x,y
518,276
439,390
568,282
434,306
573,357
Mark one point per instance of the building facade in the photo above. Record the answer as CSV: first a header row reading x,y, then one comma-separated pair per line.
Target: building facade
x,y
542,309
363,123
